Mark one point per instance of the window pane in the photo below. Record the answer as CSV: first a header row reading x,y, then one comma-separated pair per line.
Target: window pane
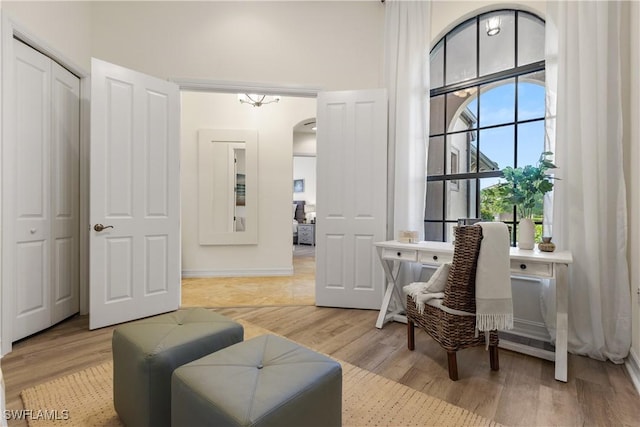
x,y
436,67
433,231
493,207
531,96
461,53
498,103
497,51
530,142
461,152
530,39
496,148
436,122
435,159
461,110
461,199
433,209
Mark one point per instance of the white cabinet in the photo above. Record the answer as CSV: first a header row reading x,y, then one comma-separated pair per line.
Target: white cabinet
x,y
306,234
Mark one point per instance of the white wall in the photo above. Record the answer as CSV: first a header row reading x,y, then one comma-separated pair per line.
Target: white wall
x,y
64,26
274,123
304,144
327,44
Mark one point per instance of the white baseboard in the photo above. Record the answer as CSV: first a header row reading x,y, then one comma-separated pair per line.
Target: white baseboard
x,y
633,367
245,272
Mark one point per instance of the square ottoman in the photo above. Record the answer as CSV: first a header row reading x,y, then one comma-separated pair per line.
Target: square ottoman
x,y
265,381
146,352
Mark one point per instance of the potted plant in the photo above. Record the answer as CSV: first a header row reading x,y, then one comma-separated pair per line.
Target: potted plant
x,y
524,188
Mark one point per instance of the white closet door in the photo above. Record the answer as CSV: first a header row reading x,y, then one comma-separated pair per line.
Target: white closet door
x,y
41,190
65,161
29,252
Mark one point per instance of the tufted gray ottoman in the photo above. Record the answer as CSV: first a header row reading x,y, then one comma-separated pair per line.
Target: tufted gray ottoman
x,y
265,381
146,352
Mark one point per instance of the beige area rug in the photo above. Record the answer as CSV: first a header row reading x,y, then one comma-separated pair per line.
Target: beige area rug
x,y
368,400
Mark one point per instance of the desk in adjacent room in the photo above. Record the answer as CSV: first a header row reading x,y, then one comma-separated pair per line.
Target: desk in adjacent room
x,y
527,263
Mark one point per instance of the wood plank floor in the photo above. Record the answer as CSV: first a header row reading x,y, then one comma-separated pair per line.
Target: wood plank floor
x,y
522,393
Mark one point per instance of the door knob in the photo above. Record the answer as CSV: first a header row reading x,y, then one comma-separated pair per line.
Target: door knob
x,y
100,227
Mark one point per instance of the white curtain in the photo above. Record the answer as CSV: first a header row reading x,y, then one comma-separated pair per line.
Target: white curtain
x,y
407,33
584,131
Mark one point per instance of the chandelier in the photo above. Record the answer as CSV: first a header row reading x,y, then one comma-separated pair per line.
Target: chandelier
x,y
256,100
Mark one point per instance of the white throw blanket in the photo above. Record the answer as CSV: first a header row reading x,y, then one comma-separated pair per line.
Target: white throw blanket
x,y
422,292
494,307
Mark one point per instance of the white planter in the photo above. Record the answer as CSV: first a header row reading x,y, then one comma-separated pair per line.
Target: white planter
x,y
526,233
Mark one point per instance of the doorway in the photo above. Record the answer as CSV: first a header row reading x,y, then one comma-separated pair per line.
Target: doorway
x,y
228,265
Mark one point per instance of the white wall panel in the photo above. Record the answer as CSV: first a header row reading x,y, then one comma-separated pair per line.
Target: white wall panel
x,y
335,251
31,284
156,254
365,263
119,281
156,161
120,150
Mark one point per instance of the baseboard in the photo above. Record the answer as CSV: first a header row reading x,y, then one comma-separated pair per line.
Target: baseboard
x,y
245,272
530,329
633,367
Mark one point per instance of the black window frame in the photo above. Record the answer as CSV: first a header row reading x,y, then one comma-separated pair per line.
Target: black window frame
x,y
477,84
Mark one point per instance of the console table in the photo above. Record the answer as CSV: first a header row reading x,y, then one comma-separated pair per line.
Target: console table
x,y
527,263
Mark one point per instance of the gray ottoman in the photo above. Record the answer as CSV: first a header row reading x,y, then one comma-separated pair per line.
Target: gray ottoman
x,y
265,381
146,352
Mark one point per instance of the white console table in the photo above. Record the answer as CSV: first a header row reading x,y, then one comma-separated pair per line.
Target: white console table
x,y
527,263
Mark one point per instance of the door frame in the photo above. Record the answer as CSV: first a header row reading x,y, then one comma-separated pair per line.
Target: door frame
x,y
10,29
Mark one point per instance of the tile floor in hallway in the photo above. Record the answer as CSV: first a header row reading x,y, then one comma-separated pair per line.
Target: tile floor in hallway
x,y
298,289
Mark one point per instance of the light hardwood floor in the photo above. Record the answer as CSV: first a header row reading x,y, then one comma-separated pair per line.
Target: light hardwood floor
x,y
522,393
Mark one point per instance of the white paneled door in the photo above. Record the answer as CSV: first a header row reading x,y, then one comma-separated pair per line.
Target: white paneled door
x,y
40,187
134,206
351,197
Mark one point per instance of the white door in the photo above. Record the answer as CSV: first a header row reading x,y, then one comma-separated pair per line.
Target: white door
x,y
351,197
134,194
41,187
65,185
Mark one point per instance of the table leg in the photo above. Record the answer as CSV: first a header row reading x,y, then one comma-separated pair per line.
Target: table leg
x,y
390,292
562,321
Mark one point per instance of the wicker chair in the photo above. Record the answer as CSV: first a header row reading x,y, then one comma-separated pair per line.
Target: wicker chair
x,y
453,331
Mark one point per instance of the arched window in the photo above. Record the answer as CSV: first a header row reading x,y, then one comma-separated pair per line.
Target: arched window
x,y
487,113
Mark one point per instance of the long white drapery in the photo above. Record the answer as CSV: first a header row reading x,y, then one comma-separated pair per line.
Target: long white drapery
x,y
407,29
584,131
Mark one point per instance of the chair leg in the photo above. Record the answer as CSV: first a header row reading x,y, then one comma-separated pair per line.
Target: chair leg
x,y
453,365
411,335
493,357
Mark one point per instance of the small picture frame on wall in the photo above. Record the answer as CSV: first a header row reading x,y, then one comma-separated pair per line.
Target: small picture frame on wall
x,y
298,185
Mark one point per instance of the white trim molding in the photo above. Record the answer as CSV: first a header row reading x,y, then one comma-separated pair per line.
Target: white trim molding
x,y
201,85
256,272
633,367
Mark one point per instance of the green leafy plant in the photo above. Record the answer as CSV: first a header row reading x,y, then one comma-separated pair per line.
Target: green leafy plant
x,y
525,186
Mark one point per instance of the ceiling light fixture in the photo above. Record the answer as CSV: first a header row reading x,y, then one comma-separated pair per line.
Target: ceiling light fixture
x,y
256,100
463,93
493,25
